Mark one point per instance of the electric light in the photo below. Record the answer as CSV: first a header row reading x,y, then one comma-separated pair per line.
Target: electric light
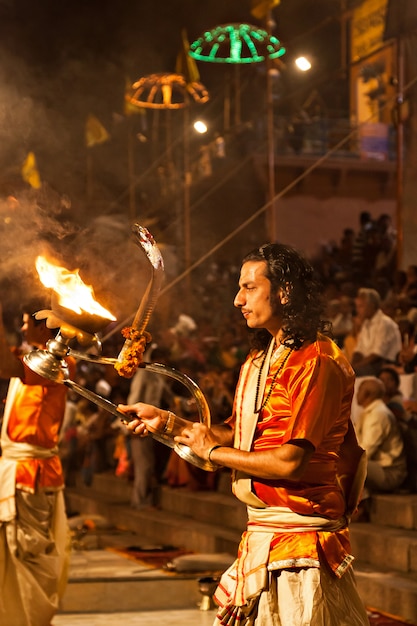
x,y
200,127
303,64
236,43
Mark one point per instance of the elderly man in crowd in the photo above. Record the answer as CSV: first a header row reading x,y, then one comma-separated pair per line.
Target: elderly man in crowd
x,y
379,337
379,434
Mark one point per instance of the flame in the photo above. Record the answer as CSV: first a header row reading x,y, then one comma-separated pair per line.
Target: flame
x,y
72,293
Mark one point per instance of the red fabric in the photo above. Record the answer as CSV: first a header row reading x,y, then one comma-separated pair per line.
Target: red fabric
x,y
376,618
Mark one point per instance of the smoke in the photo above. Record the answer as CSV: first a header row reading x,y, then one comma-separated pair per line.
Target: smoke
x,y
26,230
104,252
110,261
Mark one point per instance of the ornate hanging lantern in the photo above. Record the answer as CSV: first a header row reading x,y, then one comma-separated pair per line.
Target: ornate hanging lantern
x,y
236,43
166,91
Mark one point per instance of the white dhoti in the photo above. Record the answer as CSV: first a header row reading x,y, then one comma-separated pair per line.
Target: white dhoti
x,y
34,542
254,592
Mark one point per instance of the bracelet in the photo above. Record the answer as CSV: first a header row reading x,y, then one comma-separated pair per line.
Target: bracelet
x,y
169,424
211,450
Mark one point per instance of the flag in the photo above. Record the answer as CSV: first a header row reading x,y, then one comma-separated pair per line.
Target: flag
x,y
260,8
95,132
128,107
30,172
185,64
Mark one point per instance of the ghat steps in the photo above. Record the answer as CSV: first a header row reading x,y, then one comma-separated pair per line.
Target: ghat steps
x,y
210,522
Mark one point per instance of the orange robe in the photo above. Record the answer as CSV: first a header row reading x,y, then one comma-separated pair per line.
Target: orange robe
x,y
310,400
35,418
34,537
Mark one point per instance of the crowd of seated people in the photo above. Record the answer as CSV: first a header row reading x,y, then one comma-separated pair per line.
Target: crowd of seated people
x,y
373,310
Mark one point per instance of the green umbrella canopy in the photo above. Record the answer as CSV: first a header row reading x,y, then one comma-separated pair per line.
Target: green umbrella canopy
x,y
236,43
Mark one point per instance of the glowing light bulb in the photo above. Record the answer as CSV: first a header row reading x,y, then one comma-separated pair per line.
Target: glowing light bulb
x,y
303,64
200,127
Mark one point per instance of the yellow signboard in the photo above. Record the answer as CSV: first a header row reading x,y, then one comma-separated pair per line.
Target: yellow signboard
x,y
368,24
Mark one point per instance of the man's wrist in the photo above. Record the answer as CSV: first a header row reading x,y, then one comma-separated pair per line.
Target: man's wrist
x,y
211,450
169,424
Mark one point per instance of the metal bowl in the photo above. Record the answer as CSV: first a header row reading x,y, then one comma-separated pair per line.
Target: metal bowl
x,y
87,322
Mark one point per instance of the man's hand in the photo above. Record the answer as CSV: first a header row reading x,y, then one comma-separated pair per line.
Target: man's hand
x,y
143,419
199,438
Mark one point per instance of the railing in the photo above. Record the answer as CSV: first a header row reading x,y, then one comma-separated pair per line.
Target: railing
x,y
315,137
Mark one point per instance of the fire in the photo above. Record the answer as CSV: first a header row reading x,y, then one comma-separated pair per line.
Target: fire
x,y
72,293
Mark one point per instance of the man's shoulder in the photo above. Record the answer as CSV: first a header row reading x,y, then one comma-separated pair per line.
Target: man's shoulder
x,y
384,319
327,351
379,407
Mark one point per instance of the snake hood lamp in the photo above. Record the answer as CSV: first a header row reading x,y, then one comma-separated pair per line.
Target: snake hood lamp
x,y
83,325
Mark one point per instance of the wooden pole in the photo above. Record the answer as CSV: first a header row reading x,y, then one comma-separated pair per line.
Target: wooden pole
x,y
131,172
187,187
89,175
271,217
400,151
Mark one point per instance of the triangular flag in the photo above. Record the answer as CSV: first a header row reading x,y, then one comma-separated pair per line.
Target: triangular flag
x,y
260,8
185,64
30,172
95,132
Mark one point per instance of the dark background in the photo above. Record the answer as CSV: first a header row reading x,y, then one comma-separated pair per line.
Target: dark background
x,y
62,61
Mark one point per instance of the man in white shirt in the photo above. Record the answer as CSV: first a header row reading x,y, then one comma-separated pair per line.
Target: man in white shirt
x,y
379,434
379,338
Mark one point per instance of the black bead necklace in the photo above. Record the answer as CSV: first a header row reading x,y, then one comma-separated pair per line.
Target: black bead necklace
x,y
275,376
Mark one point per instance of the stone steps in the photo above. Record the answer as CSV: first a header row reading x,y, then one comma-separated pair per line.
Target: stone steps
x,y
387,591
377,544
397,510
386,555
212,522
103,581
189,520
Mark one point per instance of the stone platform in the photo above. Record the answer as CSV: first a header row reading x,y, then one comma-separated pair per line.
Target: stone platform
x,y
212,522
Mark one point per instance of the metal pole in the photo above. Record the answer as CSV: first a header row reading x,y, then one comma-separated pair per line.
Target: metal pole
x,y
89,176
271,218
131,171
238,118
187,185
400,151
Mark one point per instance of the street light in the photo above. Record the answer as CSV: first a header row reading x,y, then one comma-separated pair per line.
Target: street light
x,y
200,127
303,64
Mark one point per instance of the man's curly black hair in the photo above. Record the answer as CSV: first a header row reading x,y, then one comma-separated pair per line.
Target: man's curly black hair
x,y
302,314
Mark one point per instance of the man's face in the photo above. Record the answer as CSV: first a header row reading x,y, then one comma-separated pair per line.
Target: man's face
x,y
33,333
389,382
254,298
364,309
361,394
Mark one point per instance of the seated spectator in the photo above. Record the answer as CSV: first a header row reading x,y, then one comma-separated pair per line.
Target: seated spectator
x,y
409,291
407,357
351,339
363,249
385,240
379,338
379,434
340,315
393,396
